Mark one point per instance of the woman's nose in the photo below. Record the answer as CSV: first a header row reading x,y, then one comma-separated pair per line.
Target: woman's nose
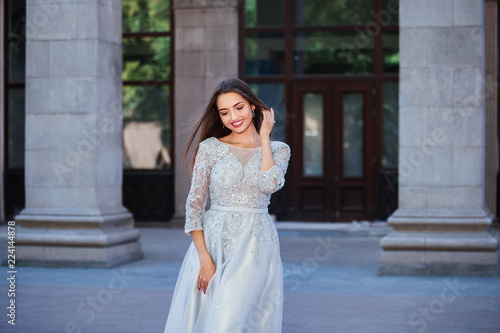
x,y
233,114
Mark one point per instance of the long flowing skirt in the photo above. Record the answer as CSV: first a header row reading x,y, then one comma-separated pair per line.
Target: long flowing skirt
x,y
246,292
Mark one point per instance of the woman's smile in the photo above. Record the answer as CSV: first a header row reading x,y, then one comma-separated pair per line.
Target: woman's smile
x,y
237,123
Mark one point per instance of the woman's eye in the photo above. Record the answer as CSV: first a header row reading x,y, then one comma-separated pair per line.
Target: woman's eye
x,y
224,113
240,108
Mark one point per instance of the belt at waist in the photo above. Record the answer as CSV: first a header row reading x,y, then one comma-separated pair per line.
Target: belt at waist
x,y
238,209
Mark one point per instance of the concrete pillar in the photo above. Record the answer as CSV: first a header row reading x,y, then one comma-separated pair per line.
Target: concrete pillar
x,y
74,214
441,224
206,51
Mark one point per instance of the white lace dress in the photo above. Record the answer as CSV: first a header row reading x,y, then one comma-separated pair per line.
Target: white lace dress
x,y
246,292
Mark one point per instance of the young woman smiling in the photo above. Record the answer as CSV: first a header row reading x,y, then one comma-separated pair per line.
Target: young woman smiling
x,y
231,279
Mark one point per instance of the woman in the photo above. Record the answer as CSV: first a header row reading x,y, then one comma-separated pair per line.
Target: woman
x,y
231,279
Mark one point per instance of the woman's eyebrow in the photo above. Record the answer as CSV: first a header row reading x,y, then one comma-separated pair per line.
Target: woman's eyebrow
x,y
233,106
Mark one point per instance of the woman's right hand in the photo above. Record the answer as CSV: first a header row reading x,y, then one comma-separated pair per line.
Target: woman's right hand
x,y
207,271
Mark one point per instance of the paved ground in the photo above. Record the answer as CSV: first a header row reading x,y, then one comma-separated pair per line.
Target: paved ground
x,y
331,285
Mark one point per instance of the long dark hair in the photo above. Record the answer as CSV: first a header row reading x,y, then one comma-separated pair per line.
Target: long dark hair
x,y
210,124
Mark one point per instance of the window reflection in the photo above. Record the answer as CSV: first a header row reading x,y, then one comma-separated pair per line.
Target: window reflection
x,y
390,51
273,94
143,147
16,39
260,13
390,116
146,58
333,53
17,60
147,68
146,15
328,13
313,135
146,131
352,135
16,128
391,9
264,54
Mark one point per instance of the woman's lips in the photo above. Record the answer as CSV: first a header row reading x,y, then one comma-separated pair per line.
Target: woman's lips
x,y
238,123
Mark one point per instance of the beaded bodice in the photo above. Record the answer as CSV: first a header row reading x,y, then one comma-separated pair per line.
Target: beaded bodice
x,y
232,177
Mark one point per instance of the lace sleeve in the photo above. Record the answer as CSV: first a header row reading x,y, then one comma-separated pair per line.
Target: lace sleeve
x,y
197,197
273,179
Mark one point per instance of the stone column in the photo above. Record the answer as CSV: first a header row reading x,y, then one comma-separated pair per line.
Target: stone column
x,y
74,214
441,225
206,38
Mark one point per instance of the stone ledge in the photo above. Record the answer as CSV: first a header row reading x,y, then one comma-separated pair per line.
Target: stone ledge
x,y
76,237
74,218
433,241
440,270
423,257
440,220
61,256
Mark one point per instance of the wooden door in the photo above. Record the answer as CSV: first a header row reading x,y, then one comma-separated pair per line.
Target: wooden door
x,y
332,151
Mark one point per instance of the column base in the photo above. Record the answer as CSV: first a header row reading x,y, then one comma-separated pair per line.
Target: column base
x,y
440,243
82,257
76,238
440,263
440,270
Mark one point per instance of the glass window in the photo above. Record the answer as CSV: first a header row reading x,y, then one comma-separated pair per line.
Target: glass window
x,y
334,12
390,116
312,151
260,13
15,38
390,12
264,54
333,53
273,94
147,67
352,133
146,130
17,42
15,135
146,58
390,51
17,61
146,15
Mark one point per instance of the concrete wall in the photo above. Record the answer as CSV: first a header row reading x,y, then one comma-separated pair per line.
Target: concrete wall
x,y
206,50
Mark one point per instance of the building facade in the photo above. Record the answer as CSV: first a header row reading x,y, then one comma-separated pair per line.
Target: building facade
x,y
331,69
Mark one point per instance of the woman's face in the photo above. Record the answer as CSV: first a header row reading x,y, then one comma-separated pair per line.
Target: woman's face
x,y
235,112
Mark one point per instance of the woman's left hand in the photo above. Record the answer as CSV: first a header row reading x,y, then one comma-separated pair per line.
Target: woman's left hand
x,y
267,123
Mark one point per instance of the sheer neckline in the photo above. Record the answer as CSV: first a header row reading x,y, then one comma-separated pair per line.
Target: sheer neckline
x,y
231,146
